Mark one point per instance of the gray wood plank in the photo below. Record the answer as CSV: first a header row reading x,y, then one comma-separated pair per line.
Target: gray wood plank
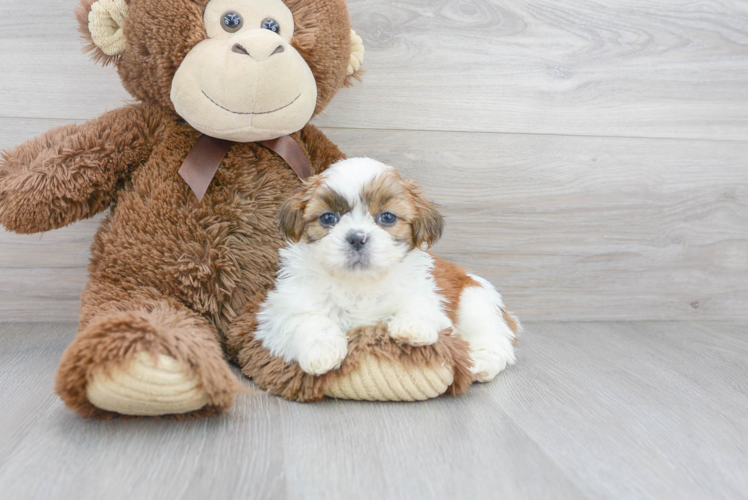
x,y
635,410
591,410
628,68
448,448
28,360
569,228
45,73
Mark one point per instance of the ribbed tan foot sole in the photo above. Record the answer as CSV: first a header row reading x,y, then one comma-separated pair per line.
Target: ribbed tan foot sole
x,y
382,380
147,388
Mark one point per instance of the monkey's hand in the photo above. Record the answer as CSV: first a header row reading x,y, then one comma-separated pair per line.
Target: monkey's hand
x,y
72,172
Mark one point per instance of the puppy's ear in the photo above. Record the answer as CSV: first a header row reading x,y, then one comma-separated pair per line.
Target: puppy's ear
x,y
290,218
291,212
428,223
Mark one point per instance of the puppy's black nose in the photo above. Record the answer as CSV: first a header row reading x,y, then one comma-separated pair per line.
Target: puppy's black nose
x,y
357,240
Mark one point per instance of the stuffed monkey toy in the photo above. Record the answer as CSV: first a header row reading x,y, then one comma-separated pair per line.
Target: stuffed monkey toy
x,y
193,174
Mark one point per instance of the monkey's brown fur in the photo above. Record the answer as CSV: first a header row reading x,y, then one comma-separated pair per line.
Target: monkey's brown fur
x,y
169,274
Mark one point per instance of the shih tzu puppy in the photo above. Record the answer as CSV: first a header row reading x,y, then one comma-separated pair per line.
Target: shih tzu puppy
x,y
356,257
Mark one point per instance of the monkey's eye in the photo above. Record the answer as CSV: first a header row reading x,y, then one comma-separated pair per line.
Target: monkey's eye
x,y
386,218
232,21
270,24
328,219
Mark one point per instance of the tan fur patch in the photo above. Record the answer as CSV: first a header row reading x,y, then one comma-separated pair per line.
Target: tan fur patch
x,y
428,224
401,231
511,321
387,193
451,280
314,231
324,200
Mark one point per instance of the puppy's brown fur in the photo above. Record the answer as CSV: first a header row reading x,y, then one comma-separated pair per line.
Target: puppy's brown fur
x,y
452,280
418,224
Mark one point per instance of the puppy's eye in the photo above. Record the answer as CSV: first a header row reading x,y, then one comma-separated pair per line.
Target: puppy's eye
x,y
270,24
328,219
386,218
232,21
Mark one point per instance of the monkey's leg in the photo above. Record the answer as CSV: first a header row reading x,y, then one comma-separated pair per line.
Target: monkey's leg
x,y
143,356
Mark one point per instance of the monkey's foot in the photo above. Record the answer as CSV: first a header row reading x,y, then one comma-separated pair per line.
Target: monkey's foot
x,y
148,385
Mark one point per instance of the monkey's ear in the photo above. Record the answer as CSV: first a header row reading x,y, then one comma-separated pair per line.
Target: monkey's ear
x,y
428,224
354,71
101,23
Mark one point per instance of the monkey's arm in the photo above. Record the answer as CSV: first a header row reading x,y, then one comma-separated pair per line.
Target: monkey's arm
x,y
72,172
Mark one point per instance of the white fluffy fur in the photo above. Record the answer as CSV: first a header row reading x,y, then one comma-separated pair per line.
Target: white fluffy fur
x,y
324,290
481,322
308,314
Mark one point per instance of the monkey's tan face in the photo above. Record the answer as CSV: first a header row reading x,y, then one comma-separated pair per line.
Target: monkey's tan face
x,y
245,82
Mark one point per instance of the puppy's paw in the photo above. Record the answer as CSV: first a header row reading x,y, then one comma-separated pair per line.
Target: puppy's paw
x,y
413,330
323,355
489,361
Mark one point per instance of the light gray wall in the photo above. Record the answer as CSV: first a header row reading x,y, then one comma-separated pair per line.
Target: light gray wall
x,y
591,158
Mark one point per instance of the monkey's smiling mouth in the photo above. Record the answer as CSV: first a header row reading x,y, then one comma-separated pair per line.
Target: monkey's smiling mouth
x,y
250,113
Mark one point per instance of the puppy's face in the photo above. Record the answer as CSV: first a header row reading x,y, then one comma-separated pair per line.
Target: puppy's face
x,y
360,218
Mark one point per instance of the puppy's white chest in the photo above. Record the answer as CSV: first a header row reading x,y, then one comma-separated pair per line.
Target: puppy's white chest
x,y
364,308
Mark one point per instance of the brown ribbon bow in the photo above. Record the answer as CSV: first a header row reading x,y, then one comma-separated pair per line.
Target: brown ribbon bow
x,y
203,161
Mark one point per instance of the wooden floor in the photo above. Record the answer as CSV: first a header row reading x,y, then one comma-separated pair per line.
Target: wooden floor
x,y
591,410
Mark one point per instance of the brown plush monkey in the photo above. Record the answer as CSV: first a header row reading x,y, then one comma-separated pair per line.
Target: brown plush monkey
x,y
174,280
